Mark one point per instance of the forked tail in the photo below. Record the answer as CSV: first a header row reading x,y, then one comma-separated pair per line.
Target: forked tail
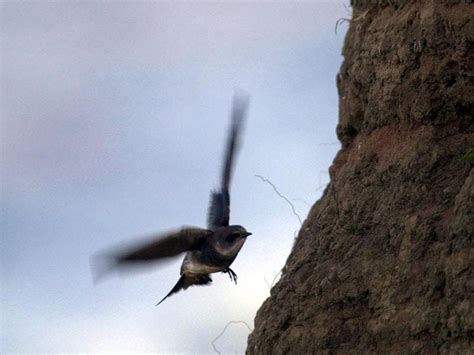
x,y
176,288
184,282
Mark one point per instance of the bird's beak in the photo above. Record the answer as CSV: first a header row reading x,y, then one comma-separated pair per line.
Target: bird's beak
x,y
247,234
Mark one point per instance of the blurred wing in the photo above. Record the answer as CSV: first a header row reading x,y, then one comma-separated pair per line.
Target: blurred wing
x,y
164,246
219,208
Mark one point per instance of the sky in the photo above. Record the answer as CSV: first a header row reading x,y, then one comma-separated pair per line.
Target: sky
x,y
113,122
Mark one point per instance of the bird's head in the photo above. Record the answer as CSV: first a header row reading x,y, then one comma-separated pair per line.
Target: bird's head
x,y
231,239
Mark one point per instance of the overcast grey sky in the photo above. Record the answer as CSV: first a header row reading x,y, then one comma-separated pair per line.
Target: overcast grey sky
x,y
113,120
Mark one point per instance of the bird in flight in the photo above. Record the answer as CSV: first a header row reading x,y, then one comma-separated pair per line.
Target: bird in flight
x,y
207,250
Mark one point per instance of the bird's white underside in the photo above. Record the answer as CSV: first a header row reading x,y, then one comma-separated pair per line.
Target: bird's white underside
x,y
193,266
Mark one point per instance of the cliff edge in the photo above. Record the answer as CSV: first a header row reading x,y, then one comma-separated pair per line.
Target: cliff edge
x,y
385,260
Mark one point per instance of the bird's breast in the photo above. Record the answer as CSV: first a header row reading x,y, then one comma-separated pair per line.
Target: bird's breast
x,y
193,264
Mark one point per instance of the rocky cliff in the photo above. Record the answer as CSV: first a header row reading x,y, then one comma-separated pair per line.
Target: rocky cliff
x,y
385,259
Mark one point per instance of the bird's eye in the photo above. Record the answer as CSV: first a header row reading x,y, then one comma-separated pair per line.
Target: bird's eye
x,y
233,236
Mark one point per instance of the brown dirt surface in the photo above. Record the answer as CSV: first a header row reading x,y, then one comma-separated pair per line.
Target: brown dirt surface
x,y
385,259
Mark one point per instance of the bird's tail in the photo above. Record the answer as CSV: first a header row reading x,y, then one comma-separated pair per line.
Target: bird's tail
x,y
184,282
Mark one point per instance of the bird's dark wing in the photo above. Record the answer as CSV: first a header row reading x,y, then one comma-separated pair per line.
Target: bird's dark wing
x,y
158,248
165,246
219,207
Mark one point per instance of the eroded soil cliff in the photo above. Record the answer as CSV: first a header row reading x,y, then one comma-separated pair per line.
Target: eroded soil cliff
x,y
385,260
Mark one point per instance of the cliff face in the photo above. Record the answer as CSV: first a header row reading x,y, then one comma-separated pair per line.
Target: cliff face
x,y
384,260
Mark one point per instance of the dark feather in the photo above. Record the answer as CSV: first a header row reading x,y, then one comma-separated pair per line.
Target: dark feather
x,y
165,246
184,282
219,207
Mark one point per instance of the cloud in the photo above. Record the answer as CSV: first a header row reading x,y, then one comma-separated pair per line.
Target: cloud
x,y
113,120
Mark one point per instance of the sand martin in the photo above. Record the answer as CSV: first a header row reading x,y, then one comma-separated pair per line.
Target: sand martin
x,y
207,250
